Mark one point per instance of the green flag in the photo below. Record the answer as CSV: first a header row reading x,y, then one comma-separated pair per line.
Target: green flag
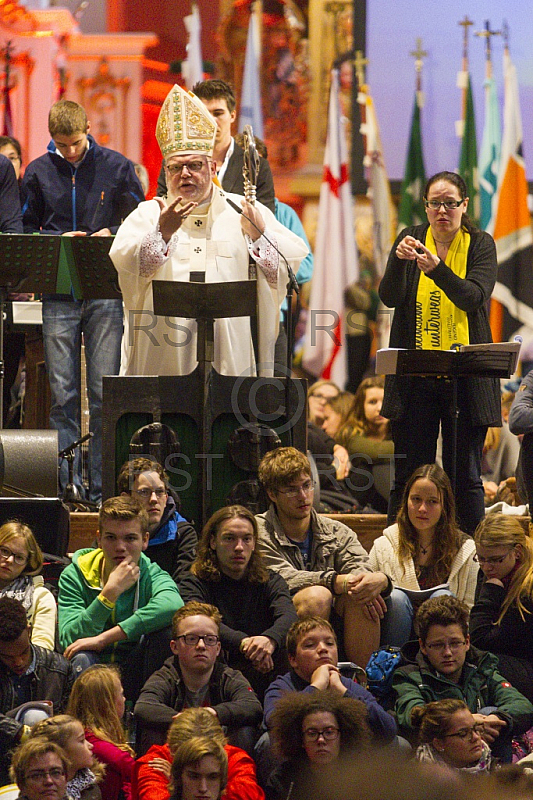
x,y
468,158
411,210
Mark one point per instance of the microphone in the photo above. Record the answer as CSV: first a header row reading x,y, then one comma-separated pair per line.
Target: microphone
x,y
73,446
292,278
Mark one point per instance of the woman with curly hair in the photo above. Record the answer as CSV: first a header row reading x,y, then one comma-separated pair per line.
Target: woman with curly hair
x,y
502,617
21,561
449,735
255,603
97,701
360,428
312,732
422,550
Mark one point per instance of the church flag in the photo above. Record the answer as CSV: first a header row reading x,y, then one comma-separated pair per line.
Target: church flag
x,y
468,168
411,210
336,264
378,182
489,157
511,226
250,111
192,68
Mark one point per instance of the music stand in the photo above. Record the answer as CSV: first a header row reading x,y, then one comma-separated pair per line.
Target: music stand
x,y
204,302
92,272
491,360
28,263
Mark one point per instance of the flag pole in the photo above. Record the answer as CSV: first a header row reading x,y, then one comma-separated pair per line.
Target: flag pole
x,y
8,122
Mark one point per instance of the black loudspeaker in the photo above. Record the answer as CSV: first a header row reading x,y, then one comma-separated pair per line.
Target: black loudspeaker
x,y
47,517
234,403
28,463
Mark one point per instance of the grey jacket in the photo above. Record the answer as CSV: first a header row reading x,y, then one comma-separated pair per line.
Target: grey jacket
x,y
335,550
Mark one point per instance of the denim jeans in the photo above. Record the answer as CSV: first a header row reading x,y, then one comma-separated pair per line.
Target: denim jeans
x,y
397,623
64,322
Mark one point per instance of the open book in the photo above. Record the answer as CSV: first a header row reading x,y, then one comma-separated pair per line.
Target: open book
x,y
419,595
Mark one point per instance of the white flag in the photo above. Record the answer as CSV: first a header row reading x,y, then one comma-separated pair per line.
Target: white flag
x,y
335,255
251,112
378,182
192,68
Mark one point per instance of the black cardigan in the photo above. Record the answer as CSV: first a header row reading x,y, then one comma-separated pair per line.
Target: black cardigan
x,y
398,289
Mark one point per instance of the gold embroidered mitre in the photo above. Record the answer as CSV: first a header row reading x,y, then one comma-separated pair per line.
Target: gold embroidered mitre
x,y
185,125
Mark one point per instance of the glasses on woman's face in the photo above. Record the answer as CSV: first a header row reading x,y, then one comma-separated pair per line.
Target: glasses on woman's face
x,y
40,775
492,559
18,558
449,205
328,734
477,728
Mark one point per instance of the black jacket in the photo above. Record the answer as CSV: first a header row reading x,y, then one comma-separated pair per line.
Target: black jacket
x,y
163,696
398,289
52,679
248,609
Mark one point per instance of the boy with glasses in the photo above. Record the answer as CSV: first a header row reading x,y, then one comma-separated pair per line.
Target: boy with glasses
x,y
194,678
447,666
173,540
322,560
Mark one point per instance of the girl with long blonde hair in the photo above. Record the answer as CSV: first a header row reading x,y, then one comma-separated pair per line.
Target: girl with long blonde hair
x,y
502,617
97,701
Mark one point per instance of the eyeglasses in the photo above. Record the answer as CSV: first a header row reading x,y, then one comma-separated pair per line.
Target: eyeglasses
x,y
328,734
18,558
440,647
323,397
306,488
39,775
467,732
449,205
147,493
492,559
192,166
191,639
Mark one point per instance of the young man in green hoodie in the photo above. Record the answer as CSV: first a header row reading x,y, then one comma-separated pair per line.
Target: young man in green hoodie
x,y
114,603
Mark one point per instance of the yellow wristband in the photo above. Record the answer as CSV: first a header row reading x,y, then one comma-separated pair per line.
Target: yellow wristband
x,y
105,602
345,586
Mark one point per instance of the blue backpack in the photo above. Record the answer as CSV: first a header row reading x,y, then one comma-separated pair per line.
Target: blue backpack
x,y
380,669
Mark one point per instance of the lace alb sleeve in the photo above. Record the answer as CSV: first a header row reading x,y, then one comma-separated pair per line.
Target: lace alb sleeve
x,y
265,256
154,251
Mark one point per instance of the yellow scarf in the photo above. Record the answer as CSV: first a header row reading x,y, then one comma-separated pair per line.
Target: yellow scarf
x,y
439,323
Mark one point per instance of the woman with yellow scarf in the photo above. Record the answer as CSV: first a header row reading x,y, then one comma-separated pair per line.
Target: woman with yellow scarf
x,y
438,278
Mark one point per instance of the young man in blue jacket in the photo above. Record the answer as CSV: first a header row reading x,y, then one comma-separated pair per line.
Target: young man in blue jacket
x,y
78,188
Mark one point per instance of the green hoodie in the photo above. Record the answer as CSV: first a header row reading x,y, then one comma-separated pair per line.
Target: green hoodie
x,y
147,606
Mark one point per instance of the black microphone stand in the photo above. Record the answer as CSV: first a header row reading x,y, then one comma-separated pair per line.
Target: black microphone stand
x,y
71,493
292,286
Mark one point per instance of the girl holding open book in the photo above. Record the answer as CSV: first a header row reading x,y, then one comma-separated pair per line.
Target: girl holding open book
x,y
424,553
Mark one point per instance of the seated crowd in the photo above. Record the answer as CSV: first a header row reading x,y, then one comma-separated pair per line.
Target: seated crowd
x,y
180,666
